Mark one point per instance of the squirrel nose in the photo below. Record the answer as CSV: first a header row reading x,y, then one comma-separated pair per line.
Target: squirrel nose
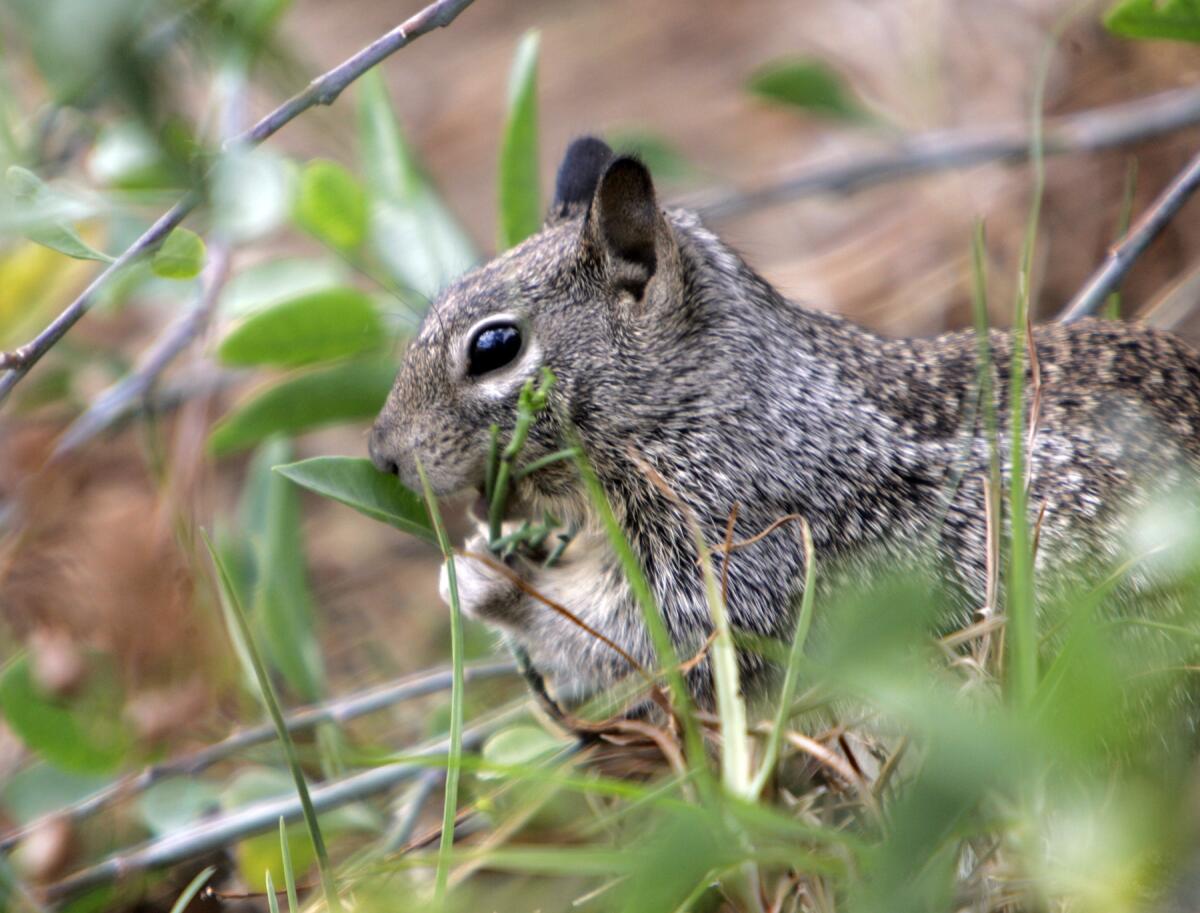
x,y
377,449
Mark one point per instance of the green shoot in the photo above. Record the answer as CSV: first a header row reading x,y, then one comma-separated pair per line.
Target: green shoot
x,y
1112,307
791,677
189,893
285,737
454,754
272,899
289,874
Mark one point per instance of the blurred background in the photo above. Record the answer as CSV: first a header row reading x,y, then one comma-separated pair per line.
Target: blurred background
x,y
108,106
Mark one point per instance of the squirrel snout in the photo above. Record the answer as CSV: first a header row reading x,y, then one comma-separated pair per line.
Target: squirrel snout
x,y
382,455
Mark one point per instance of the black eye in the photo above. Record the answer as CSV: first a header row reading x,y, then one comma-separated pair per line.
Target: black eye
x,y
492,348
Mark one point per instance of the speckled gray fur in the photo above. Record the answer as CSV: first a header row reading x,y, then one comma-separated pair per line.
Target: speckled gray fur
x,y
680,353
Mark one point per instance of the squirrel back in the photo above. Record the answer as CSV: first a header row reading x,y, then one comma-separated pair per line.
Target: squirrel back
x,y
671,353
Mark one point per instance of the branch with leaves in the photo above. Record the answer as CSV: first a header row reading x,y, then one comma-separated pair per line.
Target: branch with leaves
x,y
324,90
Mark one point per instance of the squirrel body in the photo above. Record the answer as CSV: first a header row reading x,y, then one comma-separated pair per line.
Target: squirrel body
x,y
670,352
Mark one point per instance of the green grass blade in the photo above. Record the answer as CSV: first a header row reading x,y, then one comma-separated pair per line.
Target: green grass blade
x,y
272,900
520,198
791,676
454,754
289,874
276,713
188,894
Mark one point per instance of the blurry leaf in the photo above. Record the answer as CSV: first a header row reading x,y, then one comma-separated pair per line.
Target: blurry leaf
x,y
807,84
126,156
347,392
86,734
665,162
43,788
412,233
181,255
520,199
518,746
283,606
275,281
258,854
332,205
358,484
30,194
172,804
1178,20
250,193
319,326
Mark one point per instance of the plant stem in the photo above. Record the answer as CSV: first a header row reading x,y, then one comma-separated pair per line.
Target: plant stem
x,y
454,757
332,901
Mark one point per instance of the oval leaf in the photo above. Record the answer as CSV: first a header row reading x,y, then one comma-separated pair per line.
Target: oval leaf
x,y
358,484
319,326
332,205
807,84
349,392
1177,20
412,232
32,197
180,257
518,746
520,197
85,735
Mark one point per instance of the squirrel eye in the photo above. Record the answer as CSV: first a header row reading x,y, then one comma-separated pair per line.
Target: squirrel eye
x,y
492,348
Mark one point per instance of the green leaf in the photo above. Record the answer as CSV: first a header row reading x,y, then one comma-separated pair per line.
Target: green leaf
x,y
663,159
85,735
358,484
807,84
347,392
319,326
258,287
283,608
332,205
181,255
31,194
520,198
1178,20
518,746
173,804
42,788
412,233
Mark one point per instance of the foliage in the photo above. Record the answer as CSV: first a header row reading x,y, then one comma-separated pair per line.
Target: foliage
x,y
888,772
1178,20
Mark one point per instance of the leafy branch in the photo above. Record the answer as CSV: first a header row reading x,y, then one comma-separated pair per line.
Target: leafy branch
x,y
324,90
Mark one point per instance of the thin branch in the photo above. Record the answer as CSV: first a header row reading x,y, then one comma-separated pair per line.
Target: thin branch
x,y
1123,254
115,402
337,711
1086,131
213,833
323,90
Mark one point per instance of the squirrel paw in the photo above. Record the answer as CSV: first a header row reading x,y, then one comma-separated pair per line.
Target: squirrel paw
x,y
483,591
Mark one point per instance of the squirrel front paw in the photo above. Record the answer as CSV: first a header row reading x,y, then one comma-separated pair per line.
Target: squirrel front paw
x,y
484,591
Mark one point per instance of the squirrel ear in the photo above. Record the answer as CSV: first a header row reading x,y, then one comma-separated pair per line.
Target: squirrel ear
x,y
624,221
580,171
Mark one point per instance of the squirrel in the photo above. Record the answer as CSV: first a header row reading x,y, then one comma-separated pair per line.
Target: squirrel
x,y
670,352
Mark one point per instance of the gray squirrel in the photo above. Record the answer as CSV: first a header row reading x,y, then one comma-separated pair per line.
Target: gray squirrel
x,y
670,352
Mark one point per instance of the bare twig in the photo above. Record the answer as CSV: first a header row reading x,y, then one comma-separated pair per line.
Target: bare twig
x,y
209,834
115,402
323,90
1086,131
338,711
1124,254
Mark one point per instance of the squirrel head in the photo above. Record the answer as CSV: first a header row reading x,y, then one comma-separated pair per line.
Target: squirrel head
x,y
575,298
